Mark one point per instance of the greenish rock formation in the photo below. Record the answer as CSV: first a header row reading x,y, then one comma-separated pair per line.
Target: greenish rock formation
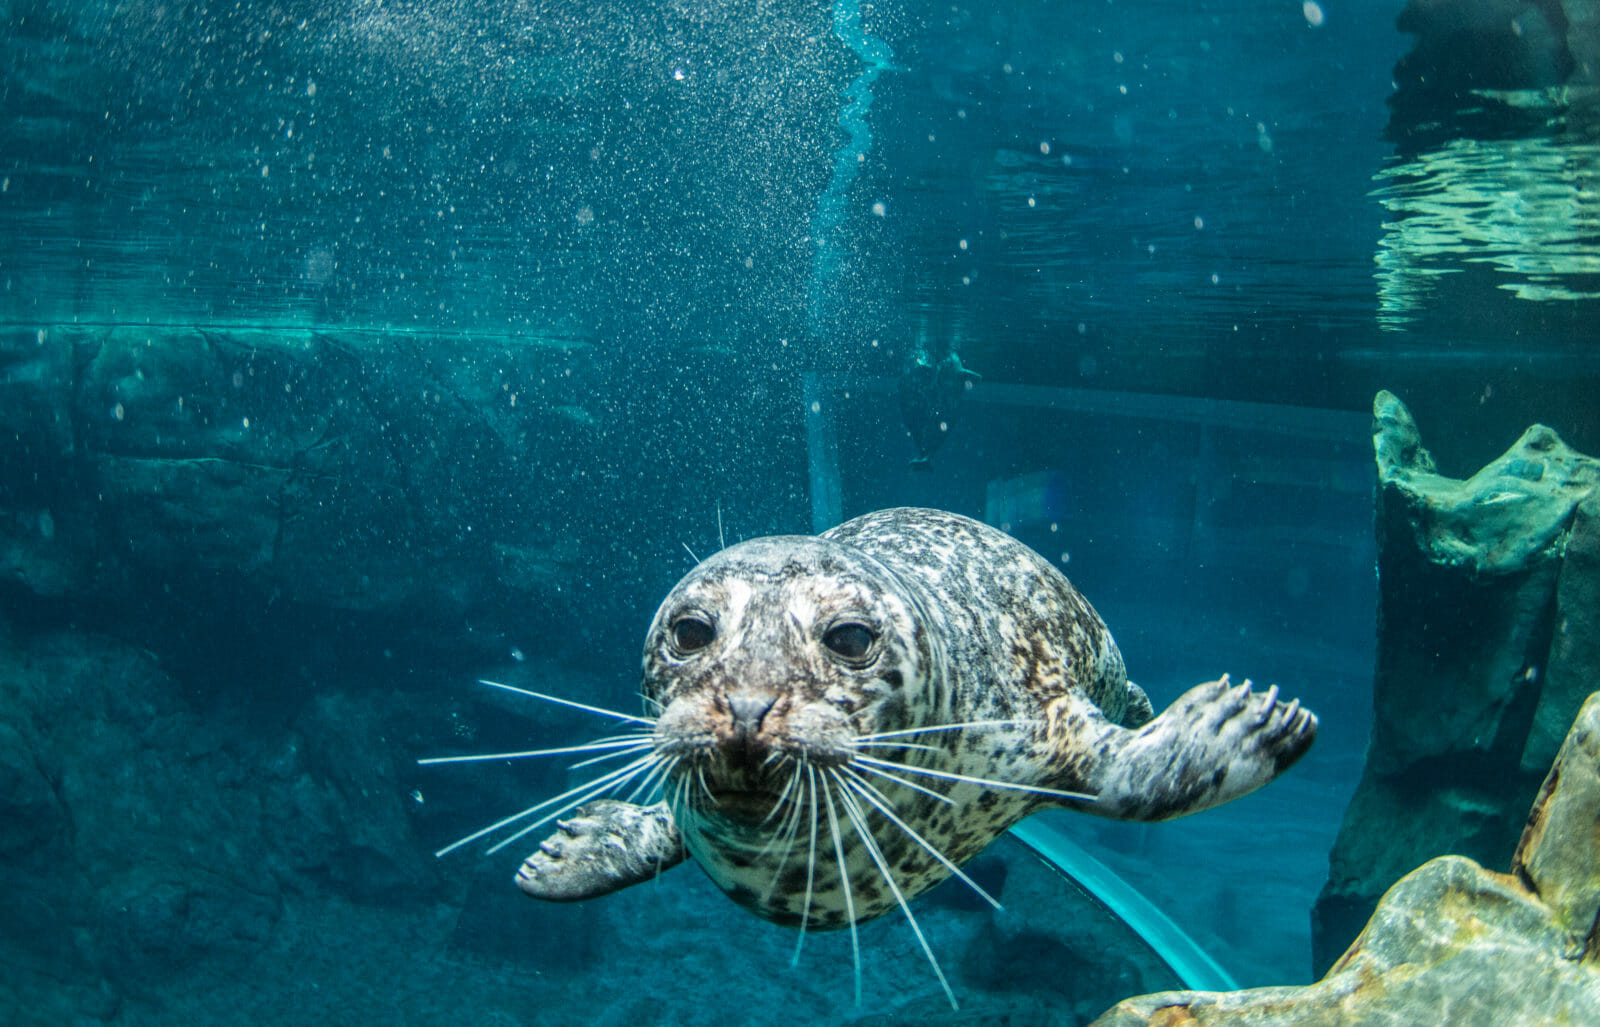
x,y
1452,942
1488,640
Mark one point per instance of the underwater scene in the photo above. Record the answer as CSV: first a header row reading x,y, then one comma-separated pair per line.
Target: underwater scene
x,y
1062,512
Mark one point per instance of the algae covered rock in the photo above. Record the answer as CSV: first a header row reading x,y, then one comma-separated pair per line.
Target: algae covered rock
x,y
1452,942
1488,641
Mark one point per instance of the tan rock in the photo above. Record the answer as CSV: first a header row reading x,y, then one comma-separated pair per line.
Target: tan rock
x,y
1452,942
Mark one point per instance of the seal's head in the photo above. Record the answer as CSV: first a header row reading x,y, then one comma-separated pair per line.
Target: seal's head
x,y
776,654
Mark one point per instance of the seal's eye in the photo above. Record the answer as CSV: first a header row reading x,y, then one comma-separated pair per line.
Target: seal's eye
x,y
849,640
691,634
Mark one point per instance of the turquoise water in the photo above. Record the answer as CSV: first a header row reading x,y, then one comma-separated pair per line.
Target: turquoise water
x,y
355,351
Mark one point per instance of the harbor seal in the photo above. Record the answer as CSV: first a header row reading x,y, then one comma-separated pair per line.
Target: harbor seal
x,y
837,723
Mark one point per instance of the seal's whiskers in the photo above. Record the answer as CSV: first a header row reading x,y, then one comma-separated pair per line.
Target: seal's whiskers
x,y
650,766
858,820
844,882
650,784
962,726
811,862
985,781
864,788
646,743
907,783
896,745
601,784
583,793
783,796
788,831
568,702
624,743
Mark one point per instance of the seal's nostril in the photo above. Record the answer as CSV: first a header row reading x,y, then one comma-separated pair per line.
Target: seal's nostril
x,y
748,709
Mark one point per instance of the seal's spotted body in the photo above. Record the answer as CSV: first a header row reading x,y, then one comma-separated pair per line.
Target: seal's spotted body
x,y
807,688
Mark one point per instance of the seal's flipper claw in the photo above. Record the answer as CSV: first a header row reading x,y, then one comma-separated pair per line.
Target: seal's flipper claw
x,y
1216,743
607,846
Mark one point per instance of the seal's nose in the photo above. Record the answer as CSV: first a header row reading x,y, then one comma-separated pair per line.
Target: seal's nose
x,y
748,709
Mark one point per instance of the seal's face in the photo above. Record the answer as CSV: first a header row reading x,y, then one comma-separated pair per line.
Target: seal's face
x,y
770,657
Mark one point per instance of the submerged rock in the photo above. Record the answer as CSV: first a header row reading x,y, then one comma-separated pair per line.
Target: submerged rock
x,y
1488,640
338,471
1453,942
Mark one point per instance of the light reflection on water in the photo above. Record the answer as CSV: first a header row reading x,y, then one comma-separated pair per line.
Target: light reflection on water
x,y
1529,208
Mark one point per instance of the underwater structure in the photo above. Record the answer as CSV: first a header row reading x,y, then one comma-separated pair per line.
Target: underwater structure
x,y
1453,942
1488,642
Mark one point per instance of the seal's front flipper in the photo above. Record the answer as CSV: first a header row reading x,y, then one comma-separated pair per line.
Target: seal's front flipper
x,y
607,845
1216,743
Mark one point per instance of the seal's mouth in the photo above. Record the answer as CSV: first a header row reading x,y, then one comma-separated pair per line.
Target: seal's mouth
x,y
742,806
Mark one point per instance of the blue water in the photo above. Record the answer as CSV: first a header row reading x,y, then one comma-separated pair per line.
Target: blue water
x,y
355,351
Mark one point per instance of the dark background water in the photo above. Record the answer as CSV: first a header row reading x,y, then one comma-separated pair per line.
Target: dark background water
x,y
1184,244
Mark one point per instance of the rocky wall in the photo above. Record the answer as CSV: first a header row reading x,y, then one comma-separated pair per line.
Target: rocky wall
x,y
1488,640
371,473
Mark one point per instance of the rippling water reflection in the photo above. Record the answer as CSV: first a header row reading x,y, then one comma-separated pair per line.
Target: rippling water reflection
x,y
1529,208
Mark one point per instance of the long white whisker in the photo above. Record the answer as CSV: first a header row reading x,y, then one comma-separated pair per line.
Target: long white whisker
x,y
568,702
686,549
844,882
895,745
783,797
647,784
964,725
878,799
789,830
852,809
592,760
785,831
678,802
593,790
897,779
619,742
811,864
497,825
986,782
